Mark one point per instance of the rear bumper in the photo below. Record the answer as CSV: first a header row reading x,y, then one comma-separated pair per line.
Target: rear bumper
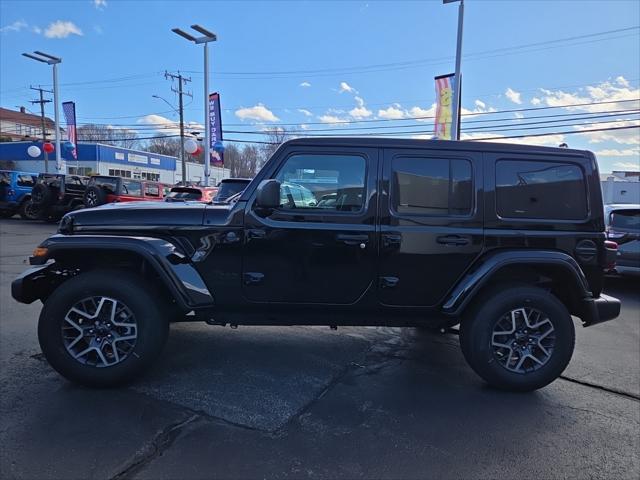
x,y
601,309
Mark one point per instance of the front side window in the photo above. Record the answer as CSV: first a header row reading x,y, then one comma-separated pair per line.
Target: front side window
x,y
25,181
131,188
431,186
536,189
323,182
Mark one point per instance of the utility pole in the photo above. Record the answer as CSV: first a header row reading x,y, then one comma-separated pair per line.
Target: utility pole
x,y
42,101
181,81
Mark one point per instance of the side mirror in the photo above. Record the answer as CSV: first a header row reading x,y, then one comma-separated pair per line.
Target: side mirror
x,y
268,194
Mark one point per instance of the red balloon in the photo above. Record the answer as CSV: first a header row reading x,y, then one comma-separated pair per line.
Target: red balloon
x,y
48,147
198,151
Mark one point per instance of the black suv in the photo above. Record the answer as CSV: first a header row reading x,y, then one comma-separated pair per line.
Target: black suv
x,y
53,195
506,241
228,187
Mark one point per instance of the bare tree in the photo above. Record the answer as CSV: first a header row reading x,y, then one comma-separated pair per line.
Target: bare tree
x,y
275,137
164,146
118,137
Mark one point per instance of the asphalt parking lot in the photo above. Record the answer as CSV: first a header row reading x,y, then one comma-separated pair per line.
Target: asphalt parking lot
x,y
303,402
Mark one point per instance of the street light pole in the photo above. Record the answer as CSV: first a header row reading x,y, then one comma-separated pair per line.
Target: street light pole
x,y
206,38
51,60
455,131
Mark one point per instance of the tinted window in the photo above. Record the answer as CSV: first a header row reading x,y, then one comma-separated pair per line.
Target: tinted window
x,y
309,181
230,188
625,219
131,188
26,181
106,183
152,190
431,186
528,189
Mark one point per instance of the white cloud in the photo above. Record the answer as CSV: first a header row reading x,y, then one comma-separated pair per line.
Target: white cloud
x,y
258,112
614,152
14,27
519,115
166,125
62,29
36,29
513,95
305,84
345,87
628,165
305,112
332,119
622,81
548,141
480,104
393,112
304,126
626,136
100,4
418,113
360,111
536,101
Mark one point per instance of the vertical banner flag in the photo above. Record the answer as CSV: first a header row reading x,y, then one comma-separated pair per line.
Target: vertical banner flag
x,y
215,131
445,90
69,109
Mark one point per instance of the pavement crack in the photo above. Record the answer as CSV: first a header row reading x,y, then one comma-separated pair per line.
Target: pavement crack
x,y
615,391
153,449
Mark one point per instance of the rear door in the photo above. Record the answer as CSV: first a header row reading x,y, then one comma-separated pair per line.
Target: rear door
x,y
431,223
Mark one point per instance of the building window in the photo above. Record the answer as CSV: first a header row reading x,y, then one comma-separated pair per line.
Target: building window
x,y
84,171
431,186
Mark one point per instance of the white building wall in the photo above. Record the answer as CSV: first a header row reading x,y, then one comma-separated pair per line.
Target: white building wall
x,y
620,191
195,173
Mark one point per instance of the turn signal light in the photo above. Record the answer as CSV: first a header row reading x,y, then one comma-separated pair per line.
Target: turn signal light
x,y
40,252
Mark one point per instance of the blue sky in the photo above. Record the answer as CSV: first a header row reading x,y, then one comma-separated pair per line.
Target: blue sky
x,y
312,64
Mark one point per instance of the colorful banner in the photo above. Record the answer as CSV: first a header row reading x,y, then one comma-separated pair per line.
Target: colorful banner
x,y
215,131
69,109
445,89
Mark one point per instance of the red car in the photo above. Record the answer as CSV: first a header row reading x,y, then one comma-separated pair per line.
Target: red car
x,y
106,189
191,194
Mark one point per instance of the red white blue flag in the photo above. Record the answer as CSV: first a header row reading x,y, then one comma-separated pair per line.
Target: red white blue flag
x,y
69,109
215,131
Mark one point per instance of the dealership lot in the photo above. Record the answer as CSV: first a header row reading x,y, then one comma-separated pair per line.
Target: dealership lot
x,y
290,402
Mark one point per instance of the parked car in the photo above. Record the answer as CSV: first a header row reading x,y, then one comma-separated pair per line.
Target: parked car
x,y
15,194
623,227
54,194
506,241
191,194
107,189
294,195
230,186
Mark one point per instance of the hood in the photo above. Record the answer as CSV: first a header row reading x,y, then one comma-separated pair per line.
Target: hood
x,y
139,214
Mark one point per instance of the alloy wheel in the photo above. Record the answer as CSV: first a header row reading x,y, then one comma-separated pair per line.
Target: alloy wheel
x,y
523,340
99,331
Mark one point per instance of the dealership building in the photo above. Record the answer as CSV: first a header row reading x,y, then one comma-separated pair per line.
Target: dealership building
x,y
96,158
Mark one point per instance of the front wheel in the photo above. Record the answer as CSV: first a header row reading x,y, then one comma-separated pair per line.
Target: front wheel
x,y
101,328
28,210
518,338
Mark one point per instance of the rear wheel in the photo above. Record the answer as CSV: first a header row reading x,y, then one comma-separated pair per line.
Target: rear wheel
x,y
100,329
94,197
28,210
518,338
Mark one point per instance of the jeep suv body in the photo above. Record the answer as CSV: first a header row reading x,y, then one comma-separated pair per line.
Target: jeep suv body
x,y
53,195
103,189
15,194
507,241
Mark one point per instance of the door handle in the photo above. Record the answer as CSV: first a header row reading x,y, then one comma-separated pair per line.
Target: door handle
x,y
390,240
452,240
357,239
254,233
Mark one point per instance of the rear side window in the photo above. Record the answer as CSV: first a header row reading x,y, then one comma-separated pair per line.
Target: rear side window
x,y
26,181
431,186
545,190
132,188
151,190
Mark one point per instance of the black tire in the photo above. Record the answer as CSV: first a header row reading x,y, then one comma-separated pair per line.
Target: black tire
x,y
42,194
7,213
28,210
151,323
488,361
94,196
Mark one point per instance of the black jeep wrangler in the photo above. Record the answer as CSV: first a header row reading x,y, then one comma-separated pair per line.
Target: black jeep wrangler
x,y
53,195
507,241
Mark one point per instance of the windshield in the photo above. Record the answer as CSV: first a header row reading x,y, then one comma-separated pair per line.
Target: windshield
x,y
185,194
625,220
230,188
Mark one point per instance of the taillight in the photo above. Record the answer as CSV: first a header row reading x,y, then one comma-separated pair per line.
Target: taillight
x,y
612,250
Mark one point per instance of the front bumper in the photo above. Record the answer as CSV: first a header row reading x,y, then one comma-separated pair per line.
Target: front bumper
x,y
32,284
601,309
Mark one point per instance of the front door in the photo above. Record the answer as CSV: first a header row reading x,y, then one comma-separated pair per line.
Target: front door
x,y
431,223
320,245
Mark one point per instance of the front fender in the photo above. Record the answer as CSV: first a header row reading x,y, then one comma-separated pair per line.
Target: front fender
x,y
486,267
167,260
